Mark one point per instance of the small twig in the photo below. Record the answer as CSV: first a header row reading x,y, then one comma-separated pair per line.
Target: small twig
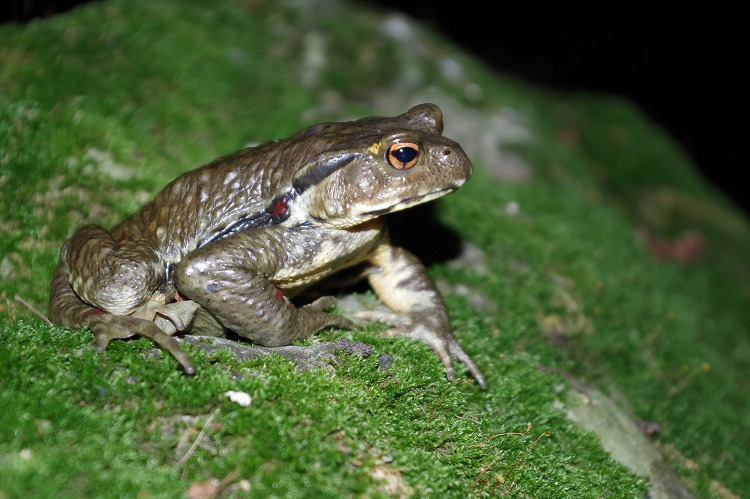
x,y
31,307
518,461
517,433
704,367
197,441
227,480
511,473
482,471
434,407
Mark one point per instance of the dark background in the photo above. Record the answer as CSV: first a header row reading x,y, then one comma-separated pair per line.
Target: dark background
x,y
683,65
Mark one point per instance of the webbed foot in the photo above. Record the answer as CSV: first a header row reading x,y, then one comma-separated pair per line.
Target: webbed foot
x,y
423,327
170,317
323,303
107,327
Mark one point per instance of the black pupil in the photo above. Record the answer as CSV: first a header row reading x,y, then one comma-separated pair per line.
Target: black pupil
x,y
405,154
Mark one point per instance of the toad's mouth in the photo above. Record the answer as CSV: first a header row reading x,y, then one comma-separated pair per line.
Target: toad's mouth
x,y
405,203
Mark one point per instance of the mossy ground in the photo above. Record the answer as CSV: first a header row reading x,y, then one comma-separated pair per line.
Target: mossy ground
x,y
102,106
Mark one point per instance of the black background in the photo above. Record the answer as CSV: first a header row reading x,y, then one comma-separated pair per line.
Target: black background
x,y
683,65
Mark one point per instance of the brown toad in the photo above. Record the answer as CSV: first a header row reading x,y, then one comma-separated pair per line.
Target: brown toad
x,y
243,234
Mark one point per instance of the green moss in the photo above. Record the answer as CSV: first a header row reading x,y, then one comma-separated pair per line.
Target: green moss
x,y
313,432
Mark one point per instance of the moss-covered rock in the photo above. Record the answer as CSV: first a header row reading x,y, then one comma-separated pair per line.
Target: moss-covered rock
x,y
591,251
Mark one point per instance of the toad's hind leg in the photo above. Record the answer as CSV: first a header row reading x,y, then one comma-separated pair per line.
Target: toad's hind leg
x,y
117,276
84,272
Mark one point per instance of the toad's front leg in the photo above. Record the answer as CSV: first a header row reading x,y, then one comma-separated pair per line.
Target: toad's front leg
x,y
233,279
419,312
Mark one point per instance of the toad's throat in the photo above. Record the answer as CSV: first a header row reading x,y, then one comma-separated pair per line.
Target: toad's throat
x,y
405,203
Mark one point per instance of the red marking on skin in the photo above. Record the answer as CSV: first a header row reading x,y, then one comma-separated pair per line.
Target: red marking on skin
x,y
179,296
279,208
93,311
279,294
122,239
396,250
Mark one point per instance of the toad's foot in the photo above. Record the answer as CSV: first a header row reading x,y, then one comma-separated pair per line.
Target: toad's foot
x,y
421,326
170,317
107,327
325,302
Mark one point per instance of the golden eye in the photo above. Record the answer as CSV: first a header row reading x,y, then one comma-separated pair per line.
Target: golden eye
x,y
403,155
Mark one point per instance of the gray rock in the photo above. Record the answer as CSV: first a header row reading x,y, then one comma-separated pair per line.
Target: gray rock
x,y
623,439
305,357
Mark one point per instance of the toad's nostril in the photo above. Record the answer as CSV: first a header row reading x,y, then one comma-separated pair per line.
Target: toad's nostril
x,y
446,152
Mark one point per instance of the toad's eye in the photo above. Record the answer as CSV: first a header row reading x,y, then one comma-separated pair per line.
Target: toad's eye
x,y
403,155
